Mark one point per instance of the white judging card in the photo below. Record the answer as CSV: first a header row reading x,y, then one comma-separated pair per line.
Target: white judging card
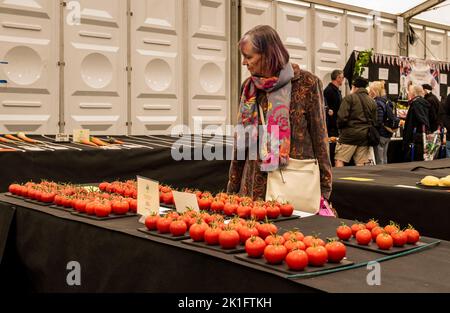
x,y
147,197
443,79
184,201
81,134
393,88
383,74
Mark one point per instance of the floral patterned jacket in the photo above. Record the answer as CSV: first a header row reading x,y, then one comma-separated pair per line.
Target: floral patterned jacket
x,y
309,138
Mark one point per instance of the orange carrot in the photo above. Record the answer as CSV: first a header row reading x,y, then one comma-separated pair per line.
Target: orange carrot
x,y
88,143
25,138
98,142
12,137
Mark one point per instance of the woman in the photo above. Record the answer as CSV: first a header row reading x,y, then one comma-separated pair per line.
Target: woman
x,y
378,93
296,104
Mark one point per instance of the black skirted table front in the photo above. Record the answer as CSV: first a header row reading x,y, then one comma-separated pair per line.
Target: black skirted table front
x,y
115,257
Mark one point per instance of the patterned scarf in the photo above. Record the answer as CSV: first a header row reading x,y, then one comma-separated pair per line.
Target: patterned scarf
x,y
274,141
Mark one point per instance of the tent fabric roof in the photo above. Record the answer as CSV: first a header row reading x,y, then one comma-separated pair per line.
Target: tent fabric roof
x,y
440,14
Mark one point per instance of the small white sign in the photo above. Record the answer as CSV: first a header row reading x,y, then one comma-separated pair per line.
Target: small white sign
x,y
365,73
443,79
393,88
81,134
147,197
184,201
383,74
62,138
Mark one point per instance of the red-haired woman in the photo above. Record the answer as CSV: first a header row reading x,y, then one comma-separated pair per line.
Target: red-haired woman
x,y
290,98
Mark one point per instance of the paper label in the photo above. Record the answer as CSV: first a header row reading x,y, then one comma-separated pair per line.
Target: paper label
x,y
184,201
81,134
147,196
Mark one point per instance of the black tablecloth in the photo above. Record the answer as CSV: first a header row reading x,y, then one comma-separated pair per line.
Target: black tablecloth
x,y
388,198
115,257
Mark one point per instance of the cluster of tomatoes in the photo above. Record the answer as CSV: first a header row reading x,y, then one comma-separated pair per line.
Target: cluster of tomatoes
x,y
231,205
211,229
385,237
297,250
126,189
83,200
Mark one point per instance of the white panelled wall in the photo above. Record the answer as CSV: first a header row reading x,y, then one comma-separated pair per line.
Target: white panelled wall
x,y
145,66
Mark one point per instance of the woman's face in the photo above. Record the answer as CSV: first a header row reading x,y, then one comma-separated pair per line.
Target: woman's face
x,y
251,59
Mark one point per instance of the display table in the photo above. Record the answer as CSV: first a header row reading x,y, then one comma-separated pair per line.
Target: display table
x,y
392,194
148,156
115,257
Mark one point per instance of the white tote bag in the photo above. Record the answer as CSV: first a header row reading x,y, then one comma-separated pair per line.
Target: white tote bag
x,y
298,183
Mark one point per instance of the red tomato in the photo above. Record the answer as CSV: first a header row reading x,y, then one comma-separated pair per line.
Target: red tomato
x,y
254,246
399,238
287,209
204,203
230,209
102,209
317,255
313,241
168,198
363,237
178,228
150,221
297,260
344,232
275,254
90,207
259,213
14,189
244,211
133,205
246,232
384,241
48,197
266,229
163,224
212,235
197,231
293,244
273,212
391,228
296,234
217,206
371,224
120,207
103,186
228,239
274,239
80,205
356,227
413,235
376,231
336,251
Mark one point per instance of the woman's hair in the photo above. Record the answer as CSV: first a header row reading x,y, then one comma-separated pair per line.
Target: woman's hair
x,y
266,41
377,88
417,90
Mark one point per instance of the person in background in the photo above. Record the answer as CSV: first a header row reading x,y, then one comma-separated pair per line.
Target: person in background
x,y
416,119
434,107
378,93
354,126
444,117
333,99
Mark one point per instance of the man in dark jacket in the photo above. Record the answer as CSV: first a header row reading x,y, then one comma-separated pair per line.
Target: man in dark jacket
x,y
434,107
354,125
417,119
333,98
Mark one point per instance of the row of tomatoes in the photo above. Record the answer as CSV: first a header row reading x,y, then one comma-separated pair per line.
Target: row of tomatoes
x,y
78,198
223,203
260,239
385,237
